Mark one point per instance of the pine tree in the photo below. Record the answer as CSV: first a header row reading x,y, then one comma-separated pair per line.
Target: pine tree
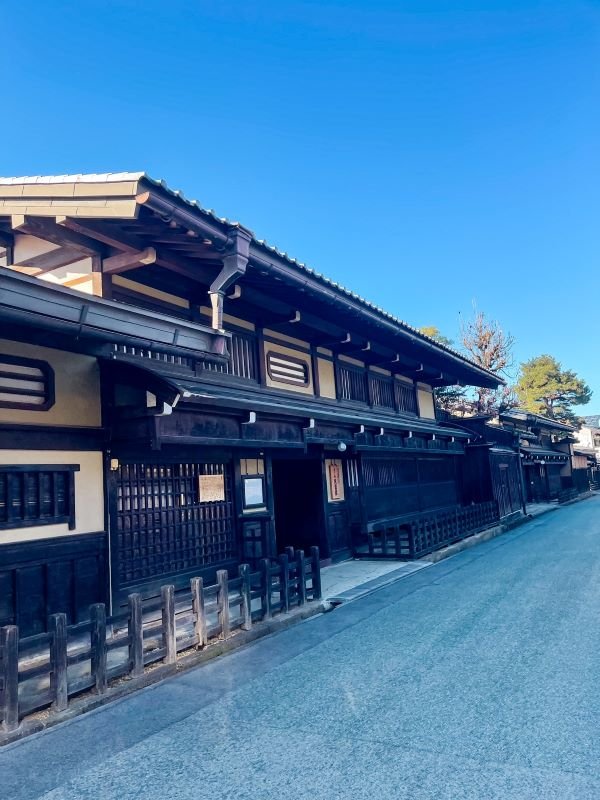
x,y
544,387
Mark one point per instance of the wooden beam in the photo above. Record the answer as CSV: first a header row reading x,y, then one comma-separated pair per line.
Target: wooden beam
x,y
103,233
47,229
193,269
127,261
46,262
277,320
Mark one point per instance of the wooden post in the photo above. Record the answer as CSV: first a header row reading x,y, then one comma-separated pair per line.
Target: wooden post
x,y
197,586
98,645
9,640
301,577
397,540
58,661
371,544
246,607
315,571
136,635
284,582
223,602
168,623
266,587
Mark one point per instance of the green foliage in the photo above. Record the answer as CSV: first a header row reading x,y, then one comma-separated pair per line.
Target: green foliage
x,y
544,387
434,333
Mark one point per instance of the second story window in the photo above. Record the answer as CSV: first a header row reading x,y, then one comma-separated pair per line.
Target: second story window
x,y
243,361
406,397
352,383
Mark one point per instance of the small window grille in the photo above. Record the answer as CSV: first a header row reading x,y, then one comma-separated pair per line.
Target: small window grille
x,y
352,478
25,383
285,369
37,495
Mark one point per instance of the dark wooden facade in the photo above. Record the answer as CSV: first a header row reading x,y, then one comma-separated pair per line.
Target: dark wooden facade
x,y
247,403
520,458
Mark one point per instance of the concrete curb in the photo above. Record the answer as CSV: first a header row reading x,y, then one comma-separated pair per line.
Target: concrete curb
x,y
156,673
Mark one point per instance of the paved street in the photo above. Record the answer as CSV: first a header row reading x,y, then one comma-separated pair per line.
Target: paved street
x,y
478,677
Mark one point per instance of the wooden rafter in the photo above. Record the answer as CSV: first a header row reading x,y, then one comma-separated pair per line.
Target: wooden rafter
x,y
47,229
191,268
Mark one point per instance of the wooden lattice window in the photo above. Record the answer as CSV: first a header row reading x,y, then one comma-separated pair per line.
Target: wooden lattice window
x,y
243,358
382,391
37,495
164,524
26,383
406,397
352,383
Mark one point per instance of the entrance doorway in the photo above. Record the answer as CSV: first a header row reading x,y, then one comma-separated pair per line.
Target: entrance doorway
x,y
298,504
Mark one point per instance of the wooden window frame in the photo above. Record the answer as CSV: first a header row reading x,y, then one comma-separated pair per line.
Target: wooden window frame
x,y
359,371
298,361
48,379
56,519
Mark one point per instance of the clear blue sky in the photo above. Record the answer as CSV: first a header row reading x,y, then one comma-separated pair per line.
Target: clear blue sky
x,y
426,154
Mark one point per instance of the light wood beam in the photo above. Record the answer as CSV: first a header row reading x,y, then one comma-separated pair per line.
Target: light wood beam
x,y
127,261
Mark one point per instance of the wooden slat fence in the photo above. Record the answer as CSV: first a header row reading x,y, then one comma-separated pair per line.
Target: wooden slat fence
x,y
51,668
414,537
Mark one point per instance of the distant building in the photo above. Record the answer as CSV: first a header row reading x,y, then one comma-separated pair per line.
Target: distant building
x,y
588,436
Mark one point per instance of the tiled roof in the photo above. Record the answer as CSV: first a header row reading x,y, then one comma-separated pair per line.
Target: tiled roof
x,y
592,421
522,415
114,177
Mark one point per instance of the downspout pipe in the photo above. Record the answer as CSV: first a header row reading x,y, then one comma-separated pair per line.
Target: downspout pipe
x,y
235,260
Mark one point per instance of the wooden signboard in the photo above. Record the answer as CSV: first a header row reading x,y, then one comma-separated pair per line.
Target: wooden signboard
x,y
211,488
335,480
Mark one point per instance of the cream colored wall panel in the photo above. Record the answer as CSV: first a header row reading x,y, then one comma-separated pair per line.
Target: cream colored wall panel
x,y
149,291
425,400
284,338
326,378
77,388
350,360
89,492
241,323
31,246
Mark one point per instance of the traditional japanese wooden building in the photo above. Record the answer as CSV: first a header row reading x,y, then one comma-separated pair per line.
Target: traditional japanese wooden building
x,y
520,457
177,396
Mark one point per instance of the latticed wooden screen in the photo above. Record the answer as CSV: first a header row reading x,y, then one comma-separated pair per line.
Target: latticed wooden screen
x,y
164,528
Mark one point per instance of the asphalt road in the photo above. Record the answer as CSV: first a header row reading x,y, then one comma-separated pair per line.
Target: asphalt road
x,y
478,677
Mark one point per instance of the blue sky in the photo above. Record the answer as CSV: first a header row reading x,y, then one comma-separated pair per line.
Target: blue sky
x,y
429,155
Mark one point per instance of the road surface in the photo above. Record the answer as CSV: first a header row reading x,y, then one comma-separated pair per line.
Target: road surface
x,y
476,678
